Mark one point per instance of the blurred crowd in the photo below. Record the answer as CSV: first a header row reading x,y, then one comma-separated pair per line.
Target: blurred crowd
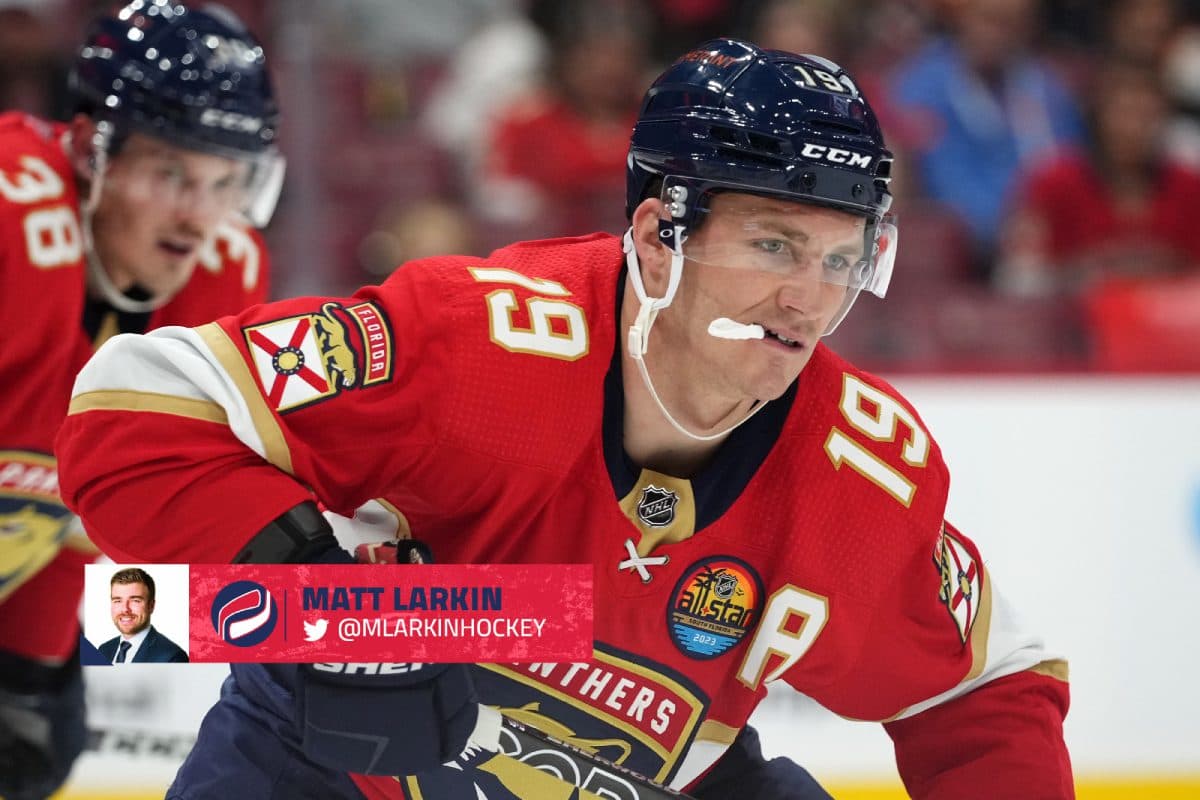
x,y
1047,151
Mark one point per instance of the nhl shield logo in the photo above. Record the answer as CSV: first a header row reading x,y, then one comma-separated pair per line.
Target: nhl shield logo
x,y
656,507
724,586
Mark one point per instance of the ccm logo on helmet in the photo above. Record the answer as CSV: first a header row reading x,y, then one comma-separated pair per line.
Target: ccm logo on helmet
x,y
836,155
230,121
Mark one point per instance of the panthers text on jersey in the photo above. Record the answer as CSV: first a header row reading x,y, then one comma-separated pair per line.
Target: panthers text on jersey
x,y
44,305
479,404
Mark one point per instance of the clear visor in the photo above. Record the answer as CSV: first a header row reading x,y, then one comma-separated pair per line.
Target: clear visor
x,y
853,253
742,231
793,237
209,185
263,188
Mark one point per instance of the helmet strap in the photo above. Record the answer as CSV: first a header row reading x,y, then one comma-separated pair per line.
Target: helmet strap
x,y
648,307
97,275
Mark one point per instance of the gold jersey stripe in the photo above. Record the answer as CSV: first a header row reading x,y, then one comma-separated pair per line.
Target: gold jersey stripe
x,y
126,400
713,731
80,543
265,423
981,628
403,529
1055,668
107,330
979,639
40,459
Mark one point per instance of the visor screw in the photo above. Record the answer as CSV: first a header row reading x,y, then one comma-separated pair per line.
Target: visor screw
x,y
857,190
809,180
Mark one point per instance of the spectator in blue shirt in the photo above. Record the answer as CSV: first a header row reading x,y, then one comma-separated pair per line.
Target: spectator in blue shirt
x,y
981,105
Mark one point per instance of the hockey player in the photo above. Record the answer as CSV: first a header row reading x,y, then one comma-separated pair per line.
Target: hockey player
x,y
125,219
659,406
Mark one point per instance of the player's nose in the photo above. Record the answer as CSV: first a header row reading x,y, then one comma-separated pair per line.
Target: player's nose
x,y
196,220
804,293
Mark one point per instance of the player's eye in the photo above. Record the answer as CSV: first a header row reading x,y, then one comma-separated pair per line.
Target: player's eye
x,y
837,262
171,173
772,247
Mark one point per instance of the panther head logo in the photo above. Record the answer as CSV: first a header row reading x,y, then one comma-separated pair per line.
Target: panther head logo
x,y
331,338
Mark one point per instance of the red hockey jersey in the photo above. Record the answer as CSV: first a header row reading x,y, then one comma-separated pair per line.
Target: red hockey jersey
x,y
42,299
480,401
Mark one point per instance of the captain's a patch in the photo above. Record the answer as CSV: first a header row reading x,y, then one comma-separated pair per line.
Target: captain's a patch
x,y
303,359
962,581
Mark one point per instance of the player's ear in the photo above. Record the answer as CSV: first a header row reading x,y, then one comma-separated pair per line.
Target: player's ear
x,y
653,257
79,146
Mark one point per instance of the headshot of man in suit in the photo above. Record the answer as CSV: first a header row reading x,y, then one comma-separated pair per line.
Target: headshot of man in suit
x,y
132,593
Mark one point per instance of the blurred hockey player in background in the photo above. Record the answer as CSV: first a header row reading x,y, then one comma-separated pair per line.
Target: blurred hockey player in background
x,y
659,406
136,214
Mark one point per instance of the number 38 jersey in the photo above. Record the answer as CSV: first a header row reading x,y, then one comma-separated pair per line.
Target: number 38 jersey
x,y
478,403
42,307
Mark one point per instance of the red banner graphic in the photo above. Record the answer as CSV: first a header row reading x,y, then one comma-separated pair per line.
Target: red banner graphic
x,y
380,613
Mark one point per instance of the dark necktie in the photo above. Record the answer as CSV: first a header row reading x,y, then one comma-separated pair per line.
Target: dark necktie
x,y
122,649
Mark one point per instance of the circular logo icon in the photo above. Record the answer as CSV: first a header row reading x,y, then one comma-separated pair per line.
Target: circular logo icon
x,y
714,606
244,613
288,360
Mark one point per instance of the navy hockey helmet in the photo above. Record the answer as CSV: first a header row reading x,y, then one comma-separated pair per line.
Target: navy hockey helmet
x,y
730,114
197,78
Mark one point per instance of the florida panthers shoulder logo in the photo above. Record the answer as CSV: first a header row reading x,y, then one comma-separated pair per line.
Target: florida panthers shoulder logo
x,y
309,357
961,581
244,614
715,604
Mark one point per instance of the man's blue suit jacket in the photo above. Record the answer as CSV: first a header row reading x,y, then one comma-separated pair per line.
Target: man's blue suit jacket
x,y
155,649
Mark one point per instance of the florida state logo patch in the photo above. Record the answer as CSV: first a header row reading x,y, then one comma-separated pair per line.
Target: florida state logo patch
x,y
309,357
715,604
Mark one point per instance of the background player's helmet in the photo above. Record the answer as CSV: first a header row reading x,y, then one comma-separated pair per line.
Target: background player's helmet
x,y
195,78
789,126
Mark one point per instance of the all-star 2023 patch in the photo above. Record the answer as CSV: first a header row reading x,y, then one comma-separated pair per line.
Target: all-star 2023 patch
x,y
715,604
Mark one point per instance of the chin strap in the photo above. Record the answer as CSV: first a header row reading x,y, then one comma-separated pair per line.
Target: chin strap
x,y
97,275
638,341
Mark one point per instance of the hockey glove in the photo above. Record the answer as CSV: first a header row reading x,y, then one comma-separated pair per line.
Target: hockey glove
x,y
385,719
42,725
389,719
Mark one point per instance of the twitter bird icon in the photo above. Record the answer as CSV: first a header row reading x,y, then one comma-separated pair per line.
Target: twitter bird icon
x,y
315,631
